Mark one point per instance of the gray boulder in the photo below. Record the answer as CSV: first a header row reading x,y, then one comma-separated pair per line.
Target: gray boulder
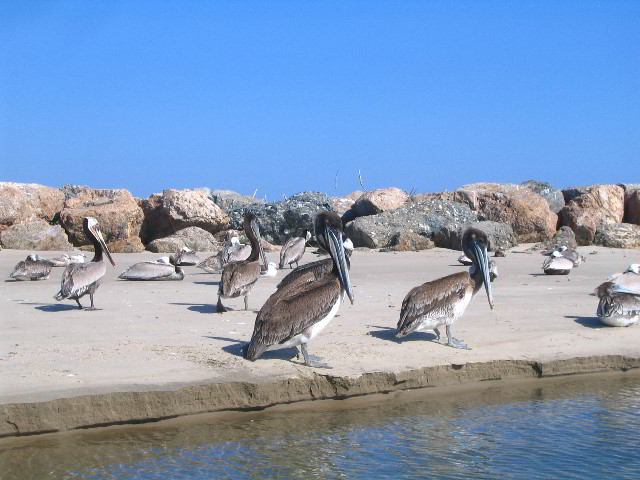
x,y
23,202
194,238
281,220
552,195
618,235
35,235
229,200
501,236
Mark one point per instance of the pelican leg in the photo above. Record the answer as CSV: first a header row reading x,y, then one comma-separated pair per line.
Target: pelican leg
x,y
79,304
297,264
91,307
454,342
311,360
437,332
219,307
246,302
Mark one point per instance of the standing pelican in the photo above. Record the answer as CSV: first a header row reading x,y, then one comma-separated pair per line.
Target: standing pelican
x,y
619,309
161,269
297,312
233,251
78,279
239,277
441,302
185,257
293,250
557,264
32,268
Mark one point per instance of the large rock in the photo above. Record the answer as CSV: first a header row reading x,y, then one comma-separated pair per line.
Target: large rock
x,y
116,210
632,204
564,237
229,200
435,218
194,238
589,207
22,202
408,242
172,210
618,235
527,212
281,220
126,245
551,194
35,235
501,236
378,201
342,204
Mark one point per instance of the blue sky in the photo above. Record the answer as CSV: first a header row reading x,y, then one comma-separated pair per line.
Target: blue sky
x,y
278,96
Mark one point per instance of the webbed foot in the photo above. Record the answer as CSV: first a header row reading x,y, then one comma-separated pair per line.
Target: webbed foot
x,y
455,343
311,360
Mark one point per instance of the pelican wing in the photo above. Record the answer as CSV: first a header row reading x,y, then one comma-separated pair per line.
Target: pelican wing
x,y
292,250
212,264
148,271
236,253
237,275
290,311
31,269
77,277
434,298
619,304
309,272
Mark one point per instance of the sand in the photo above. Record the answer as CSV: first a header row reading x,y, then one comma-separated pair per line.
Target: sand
x,y
157,349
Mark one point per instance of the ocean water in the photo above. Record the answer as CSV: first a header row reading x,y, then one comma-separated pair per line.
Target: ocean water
x,y
578,427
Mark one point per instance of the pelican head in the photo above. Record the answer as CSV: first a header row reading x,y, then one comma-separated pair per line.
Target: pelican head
x,y
92,229
252,229
474,246
328,230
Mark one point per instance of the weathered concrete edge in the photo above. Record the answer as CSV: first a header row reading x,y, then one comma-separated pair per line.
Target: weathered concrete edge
x,y
138,407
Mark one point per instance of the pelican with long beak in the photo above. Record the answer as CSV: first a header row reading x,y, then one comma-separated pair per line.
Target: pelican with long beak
x,y
78,279
239,277
300,310
441,302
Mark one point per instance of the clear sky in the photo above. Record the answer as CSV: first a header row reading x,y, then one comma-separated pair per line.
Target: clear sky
x,y
278,96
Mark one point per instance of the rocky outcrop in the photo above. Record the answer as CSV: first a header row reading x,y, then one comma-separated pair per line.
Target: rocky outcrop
x,y
501,236
589,207
116,210
434,218
35,235
632,204
618,235
194,238
564,237
24,202
126,245
378,201
229,200
281,220
408,242
342,204
173,210
552,195
527,212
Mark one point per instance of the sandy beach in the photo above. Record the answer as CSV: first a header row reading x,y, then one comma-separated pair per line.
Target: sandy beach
x,y
157,349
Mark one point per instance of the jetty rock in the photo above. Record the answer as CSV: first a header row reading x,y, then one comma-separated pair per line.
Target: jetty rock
x,y
551,194
528,213
35,235
631,203
342,204
116,210
589,207
173,210
23,202
194,238
618,235
378,201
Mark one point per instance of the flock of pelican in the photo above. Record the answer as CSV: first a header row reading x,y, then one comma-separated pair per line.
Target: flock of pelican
x,y
308,298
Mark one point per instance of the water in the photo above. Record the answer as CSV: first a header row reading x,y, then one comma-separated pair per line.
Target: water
x,y
579,427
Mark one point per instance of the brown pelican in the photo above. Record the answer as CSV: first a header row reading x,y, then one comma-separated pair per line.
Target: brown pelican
x,y
441,302
239,277
233,251
318,269
161,269
293,250
185,257
296,313
619,309
556,264
66,259
78,279
572,255
626,282
464,260
32,268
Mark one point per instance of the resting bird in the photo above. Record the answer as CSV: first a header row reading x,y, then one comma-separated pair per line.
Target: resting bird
x,y
293,250
619,309
233,251
161,269
441,302
625,282
78,279
556,264
239,277
185,257
32,268
572,255
299,311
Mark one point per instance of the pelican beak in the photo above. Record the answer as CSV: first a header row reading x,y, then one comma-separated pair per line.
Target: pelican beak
x,y
100,238
256,231
336,247
482,257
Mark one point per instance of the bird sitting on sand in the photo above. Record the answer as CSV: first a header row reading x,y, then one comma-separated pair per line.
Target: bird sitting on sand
x,y
33,267
185,257
161,269
556,264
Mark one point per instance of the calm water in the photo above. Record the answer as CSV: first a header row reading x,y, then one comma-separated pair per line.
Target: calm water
x,y
576,428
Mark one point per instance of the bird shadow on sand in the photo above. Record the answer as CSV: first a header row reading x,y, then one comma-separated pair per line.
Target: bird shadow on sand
x,y
389,334
54,307
207,283
238,347
590,322
198,307
542,275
